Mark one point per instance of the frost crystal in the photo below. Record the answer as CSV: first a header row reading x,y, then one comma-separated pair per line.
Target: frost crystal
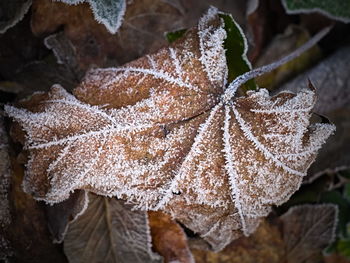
x,y
107,12
164,138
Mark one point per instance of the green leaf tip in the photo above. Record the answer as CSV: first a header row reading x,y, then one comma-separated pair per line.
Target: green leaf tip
x,y
175,35
236,52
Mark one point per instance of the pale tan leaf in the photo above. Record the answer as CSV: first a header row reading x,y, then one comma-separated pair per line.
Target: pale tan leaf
x,y
109,232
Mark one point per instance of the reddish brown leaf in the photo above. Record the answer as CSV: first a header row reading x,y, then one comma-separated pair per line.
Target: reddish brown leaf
x,y
168,238
264,246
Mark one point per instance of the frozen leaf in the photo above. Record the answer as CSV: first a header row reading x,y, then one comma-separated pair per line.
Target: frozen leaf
x,y
166,134
330,77
109,231
142,31
109,13
335,9
236,47
169,239
307,230
61,214
12,12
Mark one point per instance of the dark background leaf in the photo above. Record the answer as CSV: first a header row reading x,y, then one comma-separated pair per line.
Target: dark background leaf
x,y
308,229
109,231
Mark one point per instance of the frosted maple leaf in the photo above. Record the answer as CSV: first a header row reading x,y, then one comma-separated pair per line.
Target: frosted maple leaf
x,y
165,133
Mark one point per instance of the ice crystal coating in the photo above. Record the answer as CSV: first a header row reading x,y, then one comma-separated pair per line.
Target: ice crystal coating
x,y
158,133
109,13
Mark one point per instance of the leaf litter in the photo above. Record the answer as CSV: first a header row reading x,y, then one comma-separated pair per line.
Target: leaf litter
x,y
165,134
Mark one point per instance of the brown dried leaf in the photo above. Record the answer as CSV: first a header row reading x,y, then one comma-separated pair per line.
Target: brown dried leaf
x,y
109,231
265,245
169,239
165,138
142,31
307,230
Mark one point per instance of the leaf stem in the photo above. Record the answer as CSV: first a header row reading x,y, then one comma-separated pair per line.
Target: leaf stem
x,y
240,80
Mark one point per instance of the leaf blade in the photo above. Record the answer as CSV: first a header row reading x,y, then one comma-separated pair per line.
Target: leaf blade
x,y
109,230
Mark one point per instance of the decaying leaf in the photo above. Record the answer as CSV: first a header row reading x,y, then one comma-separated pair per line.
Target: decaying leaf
x,y
168,238
109,13
265,245
61,214
166,134
109,231
142,31
307,230
297,236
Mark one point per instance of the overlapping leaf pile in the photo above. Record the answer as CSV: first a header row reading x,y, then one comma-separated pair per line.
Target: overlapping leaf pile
x,y
159,133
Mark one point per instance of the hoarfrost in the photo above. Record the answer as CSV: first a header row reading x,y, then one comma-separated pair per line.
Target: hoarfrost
x,y
109,13
166,138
